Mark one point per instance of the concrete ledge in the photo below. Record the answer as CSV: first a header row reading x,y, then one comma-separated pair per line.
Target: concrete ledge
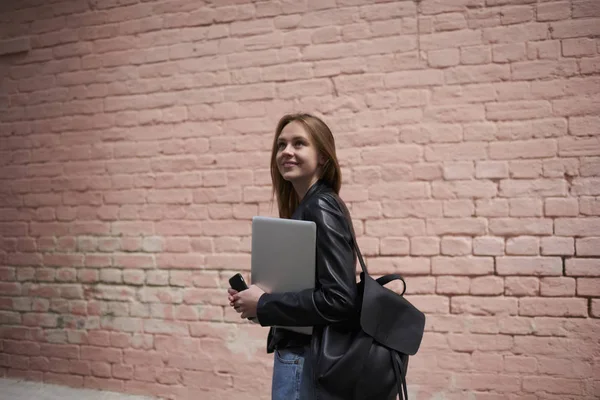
x,y
13,389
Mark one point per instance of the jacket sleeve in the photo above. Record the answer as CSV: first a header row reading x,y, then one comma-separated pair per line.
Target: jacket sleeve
x,y
334,297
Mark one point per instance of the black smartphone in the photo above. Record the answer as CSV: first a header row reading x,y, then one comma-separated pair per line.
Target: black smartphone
x,y
237,282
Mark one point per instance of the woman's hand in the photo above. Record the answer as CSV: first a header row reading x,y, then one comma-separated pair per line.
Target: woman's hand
x,y
245,302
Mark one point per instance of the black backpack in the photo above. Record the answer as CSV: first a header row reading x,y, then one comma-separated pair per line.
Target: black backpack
x,y
375,362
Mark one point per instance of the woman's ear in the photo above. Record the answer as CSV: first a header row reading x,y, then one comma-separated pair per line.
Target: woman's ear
x,y
322,160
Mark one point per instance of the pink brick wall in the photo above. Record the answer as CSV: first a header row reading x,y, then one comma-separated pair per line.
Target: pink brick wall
x,y
134,144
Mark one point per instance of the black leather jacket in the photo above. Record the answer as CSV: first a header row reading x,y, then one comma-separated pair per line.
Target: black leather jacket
x,y
331,308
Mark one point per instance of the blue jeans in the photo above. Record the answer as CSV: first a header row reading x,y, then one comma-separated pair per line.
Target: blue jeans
x,y
292,375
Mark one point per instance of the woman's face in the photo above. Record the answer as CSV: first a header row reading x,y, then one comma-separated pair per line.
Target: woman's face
x,y
297,157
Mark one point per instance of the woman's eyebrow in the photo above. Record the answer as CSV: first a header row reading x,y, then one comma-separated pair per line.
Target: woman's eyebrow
x,y
294,138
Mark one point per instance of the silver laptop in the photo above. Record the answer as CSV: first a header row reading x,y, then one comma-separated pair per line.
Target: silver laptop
x,y
283,256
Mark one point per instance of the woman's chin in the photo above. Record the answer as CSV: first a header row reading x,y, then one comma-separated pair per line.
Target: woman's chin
x,y
289,176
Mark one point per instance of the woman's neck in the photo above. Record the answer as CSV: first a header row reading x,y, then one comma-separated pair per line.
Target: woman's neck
x,y
302,188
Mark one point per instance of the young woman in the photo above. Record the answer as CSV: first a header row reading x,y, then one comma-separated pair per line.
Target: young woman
x,y
306,181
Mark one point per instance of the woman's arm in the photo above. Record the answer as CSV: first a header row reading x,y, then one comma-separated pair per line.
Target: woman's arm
x,y
334,297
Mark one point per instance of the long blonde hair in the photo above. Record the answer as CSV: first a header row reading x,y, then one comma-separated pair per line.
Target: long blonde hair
x,y
287,198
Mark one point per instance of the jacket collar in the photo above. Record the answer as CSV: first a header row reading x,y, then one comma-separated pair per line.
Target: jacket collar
x,y
317,187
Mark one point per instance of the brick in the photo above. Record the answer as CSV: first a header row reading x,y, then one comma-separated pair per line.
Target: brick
x,y
456,226
585,186
515,33
552,307
59,351
15,45
390,227
553,246
413,78
520,364
443,58
404,153
561,207
521,286
40,319
503,53
488,246
487,285
558,168
458,170
408,265
585,8
101,369
567,107
525,207
63,379
445,6
464,189
521,226
527,188
578,47
595,306
122,371
394,246
418,285
528,70
589,206
577,226
544,50
476,74
582,267
455,246
574,28
111,275
584,126
525,169
134,277
471,93
473,342
491,208
536,266
554,11
452,285
450,39
458,208
484,305
523,149
471,55
101,354
462,265
491,170
424,246
557,287
516,15
576,369
587,246
522,245
524,130
449,22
